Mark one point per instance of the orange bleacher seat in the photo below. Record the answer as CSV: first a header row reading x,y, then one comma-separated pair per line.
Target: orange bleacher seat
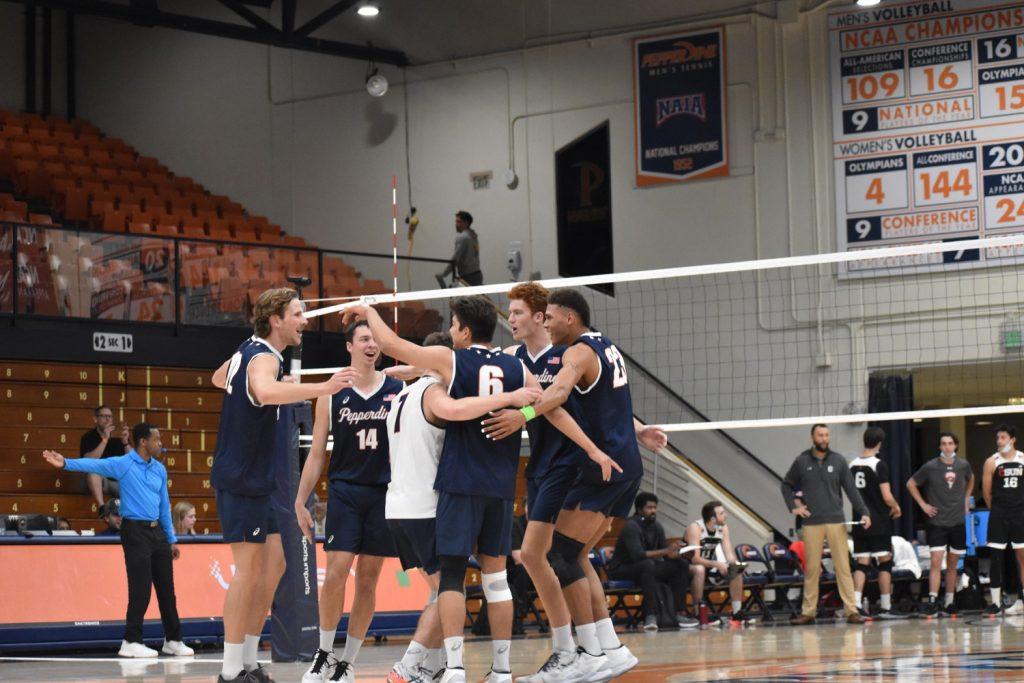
x,y
39,134
121,190
75,204
114,221
40,219
22,149
48,151
245,234
54,167
293,241
15,211
192,230
140,228
220,233
133,175
88,139
98,156
129,208
108,173
93,187
167,229
83,169
123,159
65,138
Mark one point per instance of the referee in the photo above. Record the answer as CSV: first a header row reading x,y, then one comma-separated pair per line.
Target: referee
x,y
147,535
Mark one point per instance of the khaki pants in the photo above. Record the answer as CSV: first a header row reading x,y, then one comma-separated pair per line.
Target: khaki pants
x,y
815,536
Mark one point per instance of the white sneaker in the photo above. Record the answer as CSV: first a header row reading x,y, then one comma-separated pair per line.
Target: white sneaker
x,y
498,677
320,670
343,672
400,673
591,668
177,648
454,676
136,650
1016,608
620,660
559,668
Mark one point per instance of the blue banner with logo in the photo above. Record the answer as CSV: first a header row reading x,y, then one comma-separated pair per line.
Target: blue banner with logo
x,y
679,107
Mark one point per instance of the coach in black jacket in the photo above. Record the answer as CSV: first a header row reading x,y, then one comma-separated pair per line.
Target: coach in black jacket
x,y
644,555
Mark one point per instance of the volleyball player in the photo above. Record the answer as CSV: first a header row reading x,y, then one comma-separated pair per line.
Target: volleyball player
x,y
716,562
416,428
1002,485
476,477
242,472
359,472
594,371
871,477
948,482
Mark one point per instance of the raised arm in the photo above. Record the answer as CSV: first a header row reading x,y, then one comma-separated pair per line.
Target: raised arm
x,y
314,465
267,390
436,358
111,468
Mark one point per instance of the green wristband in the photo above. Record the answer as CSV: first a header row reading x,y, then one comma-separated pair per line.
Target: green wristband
x,y
528,412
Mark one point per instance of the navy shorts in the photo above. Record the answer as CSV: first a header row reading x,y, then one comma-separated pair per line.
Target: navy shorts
x,y
544,495
416,543
355,520
611,498
245,519
467,525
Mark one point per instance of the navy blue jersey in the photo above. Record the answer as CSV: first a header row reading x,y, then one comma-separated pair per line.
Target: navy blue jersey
x,y
548,446
472,464
606,408
359,426
247,436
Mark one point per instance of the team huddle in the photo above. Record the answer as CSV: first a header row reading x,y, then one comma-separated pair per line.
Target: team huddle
x,y
427,472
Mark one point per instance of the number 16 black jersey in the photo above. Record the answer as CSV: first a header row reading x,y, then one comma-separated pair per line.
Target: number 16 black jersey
x,y
1008,485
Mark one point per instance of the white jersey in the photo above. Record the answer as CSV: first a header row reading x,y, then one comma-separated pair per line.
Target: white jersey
x,y
415,449
711,549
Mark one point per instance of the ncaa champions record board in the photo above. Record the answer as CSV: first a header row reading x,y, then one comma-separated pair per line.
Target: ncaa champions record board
x,y
679,107
928,129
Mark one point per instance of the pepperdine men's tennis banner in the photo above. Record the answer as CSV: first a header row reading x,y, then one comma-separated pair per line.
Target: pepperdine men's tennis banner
x,y
679,106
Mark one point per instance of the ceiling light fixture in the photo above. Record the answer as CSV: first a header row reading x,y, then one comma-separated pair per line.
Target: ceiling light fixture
x,y
370,10
376,84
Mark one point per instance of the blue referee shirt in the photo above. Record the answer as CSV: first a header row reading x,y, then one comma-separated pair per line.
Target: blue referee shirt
x,y
143,486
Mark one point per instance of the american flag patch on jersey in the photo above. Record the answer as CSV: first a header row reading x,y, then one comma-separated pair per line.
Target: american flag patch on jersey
x,y
389,397
554,360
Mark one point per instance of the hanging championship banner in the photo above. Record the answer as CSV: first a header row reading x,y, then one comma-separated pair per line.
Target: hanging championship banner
x,y
679,107
927,115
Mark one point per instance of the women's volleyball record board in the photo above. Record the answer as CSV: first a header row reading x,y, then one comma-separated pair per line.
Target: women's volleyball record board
x,y
928,120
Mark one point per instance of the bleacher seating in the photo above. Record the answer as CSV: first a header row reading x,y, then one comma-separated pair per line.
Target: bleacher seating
x,y
88,180
50,405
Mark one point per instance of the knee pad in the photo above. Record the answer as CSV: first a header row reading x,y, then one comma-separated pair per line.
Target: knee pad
x,y
433,598
564,558
885,566
496,587
453,573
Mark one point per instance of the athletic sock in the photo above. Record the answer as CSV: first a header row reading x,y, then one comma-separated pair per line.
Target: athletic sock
x,y
886,600
500,649
997,596
858,599
232,665
606,634
737,606
327,640
587,635
252,643
453,650
933,596
352,646
949,599
435,659
561,638
414,654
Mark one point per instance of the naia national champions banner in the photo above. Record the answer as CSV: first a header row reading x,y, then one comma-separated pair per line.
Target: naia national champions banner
x,y
928,129
679,106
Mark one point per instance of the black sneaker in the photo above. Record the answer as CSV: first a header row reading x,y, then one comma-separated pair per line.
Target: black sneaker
x,y
950,610
930,609
243,677
742,617
889,614
992,611
863,612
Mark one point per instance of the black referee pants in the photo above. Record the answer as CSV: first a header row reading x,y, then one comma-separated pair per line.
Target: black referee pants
x,y
148,561
649,573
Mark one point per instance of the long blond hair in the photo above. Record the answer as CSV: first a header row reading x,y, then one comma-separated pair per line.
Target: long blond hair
x,y
181,509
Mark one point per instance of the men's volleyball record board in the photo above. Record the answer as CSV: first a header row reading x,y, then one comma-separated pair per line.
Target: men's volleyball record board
x,y
928,119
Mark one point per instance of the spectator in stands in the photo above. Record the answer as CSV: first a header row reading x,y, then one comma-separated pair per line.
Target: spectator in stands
x,y
184,517
111,513
821,475
466,259
100,442
716,561
147,536
643,554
